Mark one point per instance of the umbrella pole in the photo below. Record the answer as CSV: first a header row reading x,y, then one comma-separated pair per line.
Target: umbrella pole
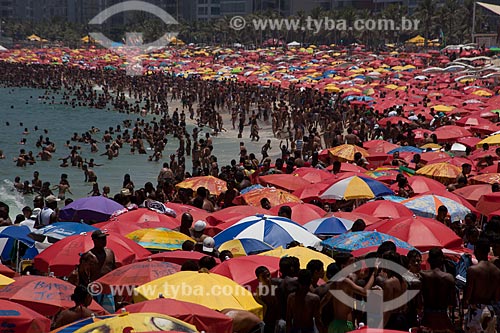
x,y
17,256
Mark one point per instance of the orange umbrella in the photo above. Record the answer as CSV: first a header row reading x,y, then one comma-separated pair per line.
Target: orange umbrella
x,y
486,178
346,152
284,181
212,184
442,172
275,196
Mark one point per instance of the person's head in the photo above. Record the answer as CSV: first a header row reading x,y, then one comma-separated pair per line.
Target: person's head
x,y
416,158
286,266
190,265
332,270
466,168
414,260
436,258
358,225
188,245
386,247
495,187
208,245
470,219
285,211
225,255
100,239
316,268
343,259
201,192
265,203
442,212
207,262
38,202
199,226
263,275
68,201
357,156
87,261
27,211
51,201
186,220
336,166
482,249
81,296
304,278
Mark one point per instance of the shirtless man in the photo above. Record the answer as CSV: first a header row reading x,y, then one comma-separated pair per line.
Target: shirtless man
x,y
105,256
342,314
303,307
481,292
80,311
438,293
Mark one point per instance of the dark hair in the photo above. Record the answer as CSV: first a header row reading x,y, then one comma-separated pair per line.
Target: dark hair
x,y
304,278
315,265
225,254
436,257
260,270
342,258
386,247
79,295
190,265
207,262
331,270
188,245
286,210
358,225
412,254
482,247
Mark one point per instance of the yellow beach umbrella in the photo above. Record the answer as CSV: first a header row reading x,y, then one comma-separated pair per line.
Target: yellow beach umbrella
x,y
445,173
431,146
212,290
302,253
137,322
159,239
5,281
482,93
346,152
443,108
212,184
34,38
493,140
391,86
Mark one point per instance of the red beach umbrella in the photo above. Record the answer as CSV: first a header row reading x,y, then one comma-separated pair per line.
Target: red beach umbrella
x,y
384,209
178,257
301,212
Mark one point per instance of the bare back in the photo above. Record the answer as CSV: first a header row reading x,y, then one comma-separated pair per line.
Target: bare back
x,y
480,289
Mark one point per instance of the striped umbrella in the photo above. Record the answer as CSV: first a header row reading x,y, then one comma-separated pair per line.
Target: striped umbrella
x,y
355,188
427,206
244,247
273,230
329,226
443,172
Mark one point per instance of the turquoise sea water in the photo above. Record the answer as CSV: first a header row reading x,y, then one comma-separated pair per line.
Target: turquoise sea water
x,y
61,122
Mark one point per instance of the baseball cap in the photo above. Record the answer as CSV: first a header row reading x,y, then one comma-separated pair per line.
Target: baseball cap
x,y
208,244
99,234
51,199
200,225
125,192
35,212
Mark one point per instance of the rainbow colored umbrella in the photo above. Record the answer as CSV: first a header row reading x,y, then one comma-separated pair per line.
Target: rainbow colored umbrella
x,y
352,241
346,152
427,206
443,172
214,185
355,188
159,239
245,246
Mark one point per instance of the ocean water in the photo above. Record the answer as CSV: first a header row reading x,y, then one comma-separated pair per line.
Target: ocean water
x,y
22,108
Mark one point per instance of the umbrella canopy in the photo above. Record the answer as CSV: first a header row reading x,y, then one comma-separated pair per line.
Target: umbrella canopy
x,y
5,281
143,215
489,203
230,295
59,230
126,228
384,209
136,274
137,322
233,214
242,269
197,213
473,193
302,253
493,140
214,185
178,257
368,219
427,206
301,212
275,197
19,233
421,184
6,271
244,247
312,175
356,188
90,210
284,181
443,172
159,239
20,319
62,257
346,152
422,233
360,239
203,318
273,230
487,178
329,226
46,295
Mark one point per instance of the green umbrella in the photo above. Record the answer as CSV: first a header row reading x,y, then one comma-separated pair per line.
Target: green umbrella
x,y
495,49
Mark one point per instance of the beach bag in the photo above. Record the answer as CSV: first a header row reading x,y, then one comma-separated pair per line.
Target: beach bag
x,y
461,270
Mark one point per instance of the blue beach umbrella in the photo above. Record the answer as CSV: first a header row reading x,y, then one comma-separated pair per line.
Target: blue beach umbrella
x,y
352,241
60,230
273,230
428,205
329,226
405,149
245,246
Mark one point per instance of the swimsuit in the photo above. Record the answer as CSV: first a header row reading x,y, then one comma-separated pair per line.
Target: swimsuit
x,y
340,326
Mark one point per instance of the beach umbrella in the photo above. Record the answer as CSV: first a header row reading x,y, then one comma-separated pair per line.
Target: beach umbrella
x,y
242,269
273,230
422,233
456,161
59,230
312,191
6,271
363,252
312,175
352,241
384,209
486,178
451,132
18,233
274,195
427,206
251,188
196,213
368,219
142,215
177,257
45,295
473,193
126,228
159,239
301,212
5,281
443,172
302,253
355,188
230,295
214,185
203,318
136,322
421,184
89,210
284,181
346,152
233,214
62,257
493,140
405,149
244,247
329,226
489,203
16,318
136,274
